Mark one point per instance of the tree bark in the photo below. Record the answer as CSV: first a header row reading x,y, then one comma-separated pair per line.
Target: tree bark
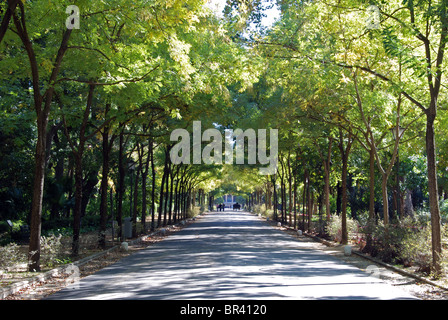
x,y
36,207
385,199
78,152
371,221
78,203
121,187
42,107
145,170
345,150
436,239
106,148
290,189
12,4
153,182
104,185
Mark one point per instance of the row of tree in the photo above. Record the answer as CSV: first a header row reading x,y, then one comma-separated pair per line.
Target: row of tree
x,y
91,108
352,87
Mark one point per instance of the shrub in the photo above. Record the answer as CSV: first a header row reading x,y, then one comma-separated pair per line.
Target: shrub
x,y
261,209
334,228
387,240
51,249
194,211
416,247
269,213
444,210
10,256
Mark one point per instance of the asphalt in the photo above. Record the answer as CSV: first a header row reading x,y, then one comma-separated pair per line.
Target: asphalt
x,y
231,256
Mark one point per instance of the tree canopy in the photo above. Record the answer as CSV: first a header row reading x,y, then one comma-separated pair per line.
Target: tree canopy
x,y
90,95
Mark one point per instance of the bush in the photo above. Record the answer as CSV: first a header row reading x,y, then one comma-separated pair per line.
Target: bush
x,y
387,240
194,211
416,248
444,211
51,249
10,256
334,228
261,209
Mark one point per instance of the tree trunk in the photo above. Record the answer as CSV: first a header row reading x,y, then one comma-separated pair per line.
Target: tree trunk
x,y
433,192
161,197
170,202
289,190
144,192
38,189
345,151
344,237
7,17
327,189
42,113
167,185
135,200
153,182
104,185
121,187
58,172
177,198
78,203
91,181
371,221
304,197
275,197
385,199
372,184
295,202
308,204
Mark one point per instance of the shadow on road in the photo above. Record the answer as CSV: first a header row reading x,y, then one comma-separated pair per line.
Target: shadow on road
x,y
230,255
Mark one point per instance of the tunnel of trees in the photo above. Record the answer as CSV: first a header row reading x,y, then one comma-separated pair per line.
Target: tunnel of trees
x,y
90,95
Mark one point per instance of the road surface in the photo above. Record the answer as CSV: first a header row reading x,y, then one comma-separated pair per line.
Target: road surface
x,y
230,255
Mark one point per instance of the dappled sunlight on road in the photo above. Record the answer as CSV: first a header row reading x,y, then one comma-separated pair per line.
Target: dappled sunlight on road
x,y
231,255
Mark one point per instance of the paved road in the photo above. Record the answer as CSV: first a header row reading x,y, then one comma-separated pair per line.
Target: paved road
x,y
231,255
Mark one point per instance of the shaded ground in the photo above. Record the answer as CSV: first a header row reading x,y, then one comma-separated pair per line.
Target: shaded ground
x,y
422,291
231,255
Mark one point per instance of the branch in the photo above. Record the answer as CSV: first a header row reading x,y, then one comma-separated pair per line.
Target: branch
x,y
343,65
100,52
383,77
133,80
23,34
441,51
12,4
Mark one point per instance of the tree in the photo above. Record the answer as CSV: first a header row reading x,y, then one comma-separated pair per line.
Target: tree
x,y
327,33
42,106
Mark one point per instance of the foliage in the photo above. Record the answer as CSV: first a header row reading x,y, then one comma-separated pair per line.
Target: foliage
x,y
389,239
135,71
416,247
333,228
407,242
51,249
11,255
261,209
